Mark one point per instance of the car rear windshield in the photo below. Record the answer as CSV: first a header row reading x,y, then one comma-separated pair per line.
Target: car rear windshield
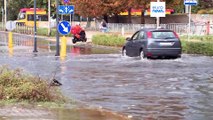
x,y
163,34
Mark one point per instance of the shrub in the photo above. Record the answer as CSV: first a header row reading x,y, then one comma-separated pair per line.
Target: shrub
x,y
108,40
210,11
16,85
44,32
202,12
198,45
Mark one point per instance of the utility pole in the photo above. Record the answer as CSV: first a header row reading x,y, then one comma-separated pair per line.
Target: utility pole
x,y
57,34
5,12
35,30
49,21
2,17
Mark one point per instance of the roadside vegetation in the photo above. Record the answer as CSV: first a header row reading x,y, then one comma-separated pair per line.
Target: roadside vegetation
x,y
196,45
16,86
108,40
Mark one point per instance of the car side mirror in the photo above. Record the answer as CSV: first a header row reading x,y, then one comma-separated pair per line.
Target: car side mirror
x,y
128,39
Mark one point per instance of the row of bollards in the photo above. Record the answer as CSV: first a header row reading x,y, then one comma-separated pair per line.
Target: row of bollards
x,y
63,50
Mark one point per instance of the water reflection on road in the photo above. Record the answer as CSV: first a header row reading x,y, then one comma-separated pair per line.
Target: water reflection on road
x,y
146,89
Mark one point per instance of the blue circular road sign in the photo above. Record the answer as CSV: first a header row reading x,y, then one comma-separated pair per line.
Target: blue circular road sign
x,y
64,27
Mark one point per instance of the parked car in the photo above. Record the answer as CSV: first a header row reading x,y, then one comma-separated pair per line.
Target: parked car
x,y
152,43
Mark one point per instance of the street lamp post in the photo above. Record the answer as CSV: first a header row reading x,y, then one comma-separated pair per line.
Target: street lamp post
x,y
35,30
5,11
57,34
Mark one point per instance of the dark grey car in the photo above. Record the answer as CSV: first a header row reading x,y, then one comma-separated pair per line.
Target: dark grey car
x,y
152,43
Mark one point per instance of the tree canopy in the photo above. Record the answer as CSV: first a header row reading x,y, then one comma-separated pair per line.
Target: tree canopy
x,y
98,8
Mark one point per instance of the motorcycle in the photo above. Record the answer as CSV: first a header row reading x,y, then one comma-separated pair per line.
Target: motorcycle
x,y
79,37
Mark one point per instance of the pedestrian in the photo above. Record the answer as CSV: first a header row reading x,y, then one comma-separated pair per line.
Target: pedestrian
x,y
104,27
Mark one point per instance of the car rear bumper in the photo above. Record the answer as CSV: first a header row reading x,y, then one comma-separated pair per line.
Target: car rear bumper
x,y
176,52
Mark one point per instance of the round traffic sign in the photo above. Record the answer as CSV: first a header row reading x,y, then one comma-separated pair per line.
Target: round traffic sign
x,y
64,27
10,25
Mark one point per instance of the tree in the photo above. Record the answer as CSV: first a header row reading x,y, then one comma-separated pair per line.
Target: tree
x,y
14,7
99,8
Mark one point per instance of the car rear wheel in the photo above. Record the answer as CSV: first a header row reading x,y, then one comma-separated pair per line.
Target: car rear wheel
x,y
124,52
142,55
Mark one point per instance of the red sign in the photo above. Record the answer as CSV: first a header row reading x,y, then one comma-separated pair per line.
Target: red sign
x,y
66,1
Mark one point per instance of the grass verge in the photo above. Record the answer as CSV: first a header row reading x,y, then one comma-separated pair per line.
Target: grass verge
x,y
15,86
196,45
108,40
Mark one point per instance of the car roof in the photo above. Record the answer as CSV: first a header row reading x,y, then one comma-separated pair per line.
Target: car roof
x,y
155,29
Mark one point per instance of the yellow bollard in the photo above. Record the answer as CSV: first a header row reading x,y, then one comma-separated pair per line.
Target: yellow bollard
x,y
10,51
10,39
63,51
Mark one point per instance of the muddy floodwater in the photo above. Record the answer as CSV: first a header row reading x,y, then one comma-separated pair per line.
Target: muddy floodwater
x,y
163,89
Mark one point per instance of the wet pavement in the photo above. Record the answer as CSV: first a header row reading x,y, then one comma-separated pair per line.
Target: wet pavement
x,y
167,89
26,113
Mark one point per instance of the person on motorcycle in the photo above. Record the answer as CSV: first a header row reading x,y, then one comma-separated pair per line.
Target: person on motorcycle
x,y
78,33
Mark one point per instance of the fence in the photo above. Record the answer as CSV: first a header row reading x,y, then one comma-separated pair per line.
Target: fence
x,y
26,40
180,28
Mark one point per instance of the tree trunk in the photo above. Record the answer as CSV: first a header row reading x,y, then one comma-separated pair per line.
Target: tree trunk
x,y
117,18
142,17
129,15
88,22
106,18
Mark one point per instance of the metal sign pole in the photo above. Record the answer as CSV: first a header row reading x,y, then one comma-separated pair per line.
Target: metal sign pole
x,y
35,30
158,19
189,27
2,17
5,11
49,32
57,34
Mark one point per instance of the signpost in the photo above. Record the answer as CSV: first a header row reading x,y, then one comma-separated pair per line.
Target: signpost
x,y
158,9
64,27
10,25
190,3
65,9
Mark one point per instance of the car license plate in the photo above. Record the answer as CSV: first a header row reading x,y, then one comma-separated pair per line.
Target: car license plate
x,y
166,43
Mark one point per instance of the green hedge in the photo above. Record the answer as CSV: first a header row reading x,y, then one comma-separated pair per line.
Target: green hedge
x,y
44,32
108,40
195,45
198,45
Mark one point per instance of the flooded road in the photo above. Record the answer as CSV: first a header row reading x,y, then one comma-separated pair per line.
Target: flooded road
x,y
180,89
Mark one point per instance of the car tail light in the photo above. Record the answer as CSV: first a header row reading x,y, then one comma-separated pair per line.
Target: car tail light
x,y
149,34
176,35
149,54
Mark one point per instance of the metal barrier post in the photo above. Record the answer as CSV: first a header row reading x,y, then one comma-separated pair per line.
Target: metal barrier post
x,y
207,28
